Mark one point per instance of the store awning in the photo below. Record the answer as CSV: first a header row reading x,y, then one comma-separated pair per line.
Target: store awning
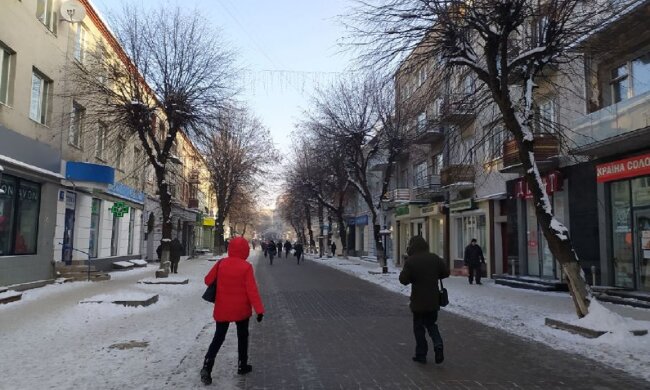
x,y
622,143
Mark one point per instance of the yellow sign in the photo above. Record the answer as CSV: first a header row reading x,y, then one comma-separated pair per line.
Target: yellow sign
x,y
207,221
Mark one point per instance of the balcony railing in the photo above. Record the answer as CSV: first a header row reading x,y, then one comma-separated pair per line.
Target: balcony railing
x,y
428,188
398,195
457,108
458,175
545,147
428,132
598,128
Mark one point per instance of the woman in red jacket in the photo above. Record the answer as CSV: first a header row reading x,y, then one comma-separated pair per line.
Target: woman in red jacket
x,y
236,293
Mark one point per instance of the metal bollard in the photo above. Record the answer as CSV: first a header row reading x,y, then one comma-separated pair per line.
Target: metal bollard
x,y
512,266
593,275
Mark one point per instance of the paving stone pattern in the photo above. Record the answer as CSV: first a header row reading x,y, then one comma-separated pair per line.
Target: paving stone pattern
x,y
328,330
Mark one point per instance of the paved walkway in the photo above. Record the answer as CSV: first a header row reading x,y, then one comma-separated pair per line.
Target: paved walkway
x,y
329,330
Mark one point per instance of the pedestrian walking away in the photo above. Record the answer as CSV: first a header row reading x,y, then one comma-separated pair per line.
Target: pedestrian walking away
x,y
473,259
287,248
264,248
279,249
333,247
272,249
423,270
175,251
237,295
297,249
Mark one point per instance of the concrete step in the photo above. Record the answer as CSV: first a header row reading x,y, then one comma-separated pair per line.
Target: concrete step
x,y
10,296
30,285
73,268
524,285
624,301
638,295
553,284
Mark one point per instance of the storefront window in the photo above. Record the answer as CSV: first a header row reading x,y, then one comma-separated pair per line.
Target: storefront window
x,y
622,234
19,209
94,227
532,239
467,228
131,230
115,233
641,192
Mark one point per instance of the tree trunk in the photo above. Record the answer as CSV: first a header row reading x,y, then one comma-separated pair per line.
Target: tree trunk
x,y
321,238
219,242
558,240
166,209
342,233
309,227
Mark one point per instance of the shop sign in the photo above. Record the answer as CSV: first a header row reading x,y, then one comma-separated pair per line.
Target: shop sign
x,y
432,209
621,169
126,192
119,209
361,220
208,221
350,221
461,205
402,210
552,182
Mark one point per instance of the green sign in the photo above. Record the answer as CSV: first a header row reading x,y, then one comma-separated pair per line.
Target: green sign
x,y
402,210
119,209
460,205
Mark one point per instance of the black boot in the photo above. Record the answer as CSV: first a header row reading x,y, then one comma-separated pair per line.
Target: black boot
x,y
244,368
206,378
440,357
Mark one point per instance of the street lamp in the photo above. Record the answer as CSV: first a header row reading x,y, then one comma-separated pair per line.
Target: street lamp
x,y
384,233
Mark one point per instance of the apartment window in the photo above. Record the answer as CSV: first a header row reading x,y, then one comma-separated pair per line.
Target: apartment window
x,y
80,43
40,95
422,121
422,75
619,83
436,164
19,211
546,118
102,129
494,138
119,154
46,14
420,171
641,74
5,73
77,117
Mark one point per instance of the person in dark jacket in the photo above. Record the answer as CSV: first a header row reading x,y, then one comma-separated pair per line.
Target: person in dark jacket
x,y
272,249
297,251
279,245
237,295
287,248
333,247
176,250
423,270
264,246
473,259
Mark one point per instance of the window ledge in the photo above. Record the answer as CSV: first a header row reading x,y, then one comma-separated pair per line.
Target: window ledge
x,y
39,123
79,148
5,105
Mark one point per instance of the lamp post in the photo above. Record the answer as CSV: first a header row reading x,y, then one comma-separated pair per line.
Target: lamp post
x,y
384,233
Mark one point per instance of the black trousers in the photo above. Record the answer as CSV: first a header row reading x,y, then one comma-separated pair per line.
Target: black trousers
x,y
424,322
220,336
474,271
174,267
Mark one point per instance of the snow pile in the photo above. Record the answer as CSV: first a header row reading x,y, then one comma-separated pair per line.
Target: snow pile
x,y
119,296
523,313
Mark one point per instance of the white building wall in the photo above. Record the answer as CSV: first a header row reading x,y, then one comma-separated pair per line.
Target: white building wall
x,y
106,225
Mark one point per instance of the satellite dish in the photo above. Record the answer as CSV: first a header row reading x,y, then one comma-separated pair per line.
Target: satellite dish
x,y
72,11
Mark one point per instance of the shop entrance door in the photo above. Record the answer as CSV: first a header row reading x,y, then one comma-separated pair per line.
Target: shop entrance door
x,y
68,227
642,248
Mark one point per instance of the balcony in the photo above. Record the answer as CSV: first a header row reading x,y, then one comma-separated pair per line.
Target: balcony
x,y
193,177
458,109
428,189
193,203
429,132
545,146
396,196
378,165
458,176
621,127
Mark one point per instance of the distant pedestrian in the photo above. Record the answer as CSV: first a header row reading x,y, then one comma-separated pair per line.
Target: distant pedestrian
x,y
423,270
287,248
253,244
236,293
176,250
264,248
298,251
333,247
473,259
279,245
227,242
272,249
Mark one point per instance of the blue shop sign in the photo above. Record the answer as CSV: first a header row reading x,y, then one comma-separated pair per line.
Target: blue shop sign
x,y
361,220
126,192
350,221
78,171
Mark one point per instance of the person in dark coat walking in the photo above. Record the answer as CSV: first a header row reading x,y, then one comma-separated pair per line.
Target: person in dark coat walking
x,y
333,247
287,248
176,250
264,246
473,259
297,251
272,249
423,270
279,249
237,295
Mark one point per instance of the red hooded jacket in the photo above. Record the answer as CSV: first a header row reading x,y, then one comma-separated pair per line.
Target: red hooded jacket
x,y
236,286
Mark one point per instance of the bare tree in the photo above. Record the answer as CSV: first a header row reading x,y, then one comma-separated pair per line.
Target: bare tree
x,y
239,153
509,47
162,72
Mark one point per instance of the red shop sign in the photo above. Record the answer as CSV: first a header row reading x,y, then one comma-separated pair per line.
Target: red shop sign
x,y
552,181
621,169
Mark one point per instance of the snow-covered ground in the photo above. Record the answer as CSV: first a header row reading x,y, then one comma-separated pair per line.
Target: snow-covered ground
x,y
50,340
522,312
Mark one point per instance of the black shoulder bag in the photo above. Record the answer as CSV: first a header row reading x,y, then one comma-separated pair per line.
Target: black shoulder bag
x,y
444,297
211,291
